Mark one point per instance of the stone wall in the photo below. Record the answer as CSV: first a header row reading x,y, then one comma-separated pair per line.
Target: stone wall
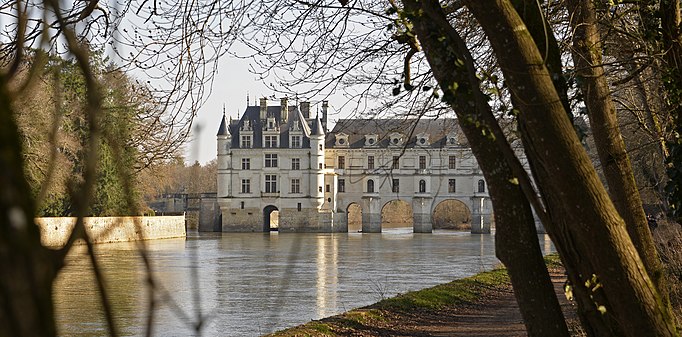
x,y
55,231
243,220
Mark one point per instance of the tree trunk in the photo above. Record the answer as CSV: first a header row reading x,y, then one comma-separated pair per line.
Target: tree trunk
x,y
607,137
28,269
587,225
516,239
672,77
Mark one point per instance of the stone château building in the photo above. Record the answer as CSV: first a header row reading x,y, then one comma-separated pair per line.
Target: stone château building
x,y
280,158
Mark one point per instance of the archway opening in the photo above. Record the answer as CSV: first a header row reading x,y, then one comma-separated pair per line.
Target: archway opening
x,y
270,218
397,214
451,214
354,212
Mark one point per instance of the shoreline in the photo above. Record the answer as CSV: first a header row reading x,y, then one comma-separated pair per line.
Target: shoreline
x,y
480,305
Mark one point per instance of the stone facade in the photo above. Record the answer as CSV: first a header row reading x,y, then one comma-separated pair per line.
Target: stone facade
x,y
279,158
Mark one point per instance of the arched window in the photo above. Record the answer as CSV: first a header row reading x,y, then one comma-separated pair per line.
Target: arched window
x,y
370,186
422,186
481,186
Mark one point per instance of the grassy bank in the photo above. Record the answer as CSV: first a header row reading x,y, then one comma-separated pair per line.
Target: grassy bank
x,y
426,302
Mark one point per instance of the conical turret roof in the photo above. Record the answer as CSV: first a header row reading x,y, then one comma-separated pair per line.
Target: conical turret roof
x,y
318,129
223,129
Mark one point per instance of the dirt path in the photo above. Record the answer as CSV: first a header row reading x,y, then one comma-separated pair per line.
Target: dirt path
x,y
494,313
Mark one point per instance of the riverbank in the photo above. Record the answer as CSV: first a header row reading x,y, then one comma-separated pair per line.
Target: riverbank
x,y
481,305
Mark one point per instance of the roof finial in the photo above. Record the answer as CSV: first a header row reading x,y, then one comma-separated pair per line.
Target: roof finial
x,y
223,109
247,99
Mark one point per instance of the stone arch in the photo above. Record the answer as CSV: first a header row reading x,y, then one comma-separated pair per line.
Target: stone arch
x,y
397,213
270,218
451,214
354,214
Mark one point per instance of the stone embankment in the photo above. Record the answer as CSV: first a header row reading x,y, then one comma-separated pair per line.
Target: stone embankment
x,y
54,232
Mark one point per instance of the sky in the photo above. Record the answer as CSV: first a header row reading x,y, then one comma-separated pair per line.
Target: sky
x,y
230,88
231,85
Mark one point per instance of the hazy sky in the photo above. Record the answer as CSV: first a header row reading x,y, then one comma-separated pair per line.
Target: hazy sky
x,y
231,85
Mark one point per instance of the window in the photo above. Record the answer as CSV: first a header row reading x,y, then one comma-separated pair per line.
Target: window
x,y
342,185
296,142
395,187
452,162
396,162
295,185
270,160
270,141
246,142
270,183
246,163
299,206
422,186
370,162
296,163
319,188
241,205
246,186
342,162
481,186
370,186
320,166
452,185
327,188
422,162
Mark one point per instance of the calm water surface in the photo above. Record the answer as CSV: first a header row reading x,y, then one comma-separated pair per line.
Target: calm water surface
x,y
252,284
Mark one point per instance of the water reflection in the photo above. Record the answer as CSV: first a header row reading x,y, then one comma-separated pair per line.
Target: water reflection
x,y
252,284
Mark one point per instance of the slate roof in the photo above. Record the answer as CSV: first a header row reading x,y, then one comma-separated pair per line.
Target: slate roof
x,y
318,129
252,114
356,129
222,130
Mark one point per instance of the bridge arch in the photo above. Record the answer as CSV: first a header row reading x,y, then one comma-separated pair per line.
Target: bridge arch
x,y
270,218
451,214
354,216
397,213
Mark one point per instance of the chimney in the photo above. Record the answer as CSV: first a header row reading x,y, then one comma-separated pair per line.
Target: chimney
x,y
305,109
263,108
325,105
284,102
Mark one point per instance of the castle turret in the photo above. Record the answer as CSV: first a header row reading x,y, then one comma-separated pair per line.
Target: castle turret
x,y
224,138
317,161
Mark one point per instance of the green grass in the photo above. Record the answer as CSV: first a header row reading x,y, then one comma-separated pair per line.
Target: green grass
x,y
457,292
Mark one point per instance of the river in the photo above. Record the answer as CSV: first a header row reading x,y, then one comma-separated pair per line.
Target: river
x,y
252,284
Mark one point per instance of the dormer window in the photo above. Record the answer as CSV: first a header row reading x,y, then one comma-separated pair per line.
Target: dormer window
x,y
452,140
245,142
396,139
341,140
295,142
423,139
270,141
371,140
